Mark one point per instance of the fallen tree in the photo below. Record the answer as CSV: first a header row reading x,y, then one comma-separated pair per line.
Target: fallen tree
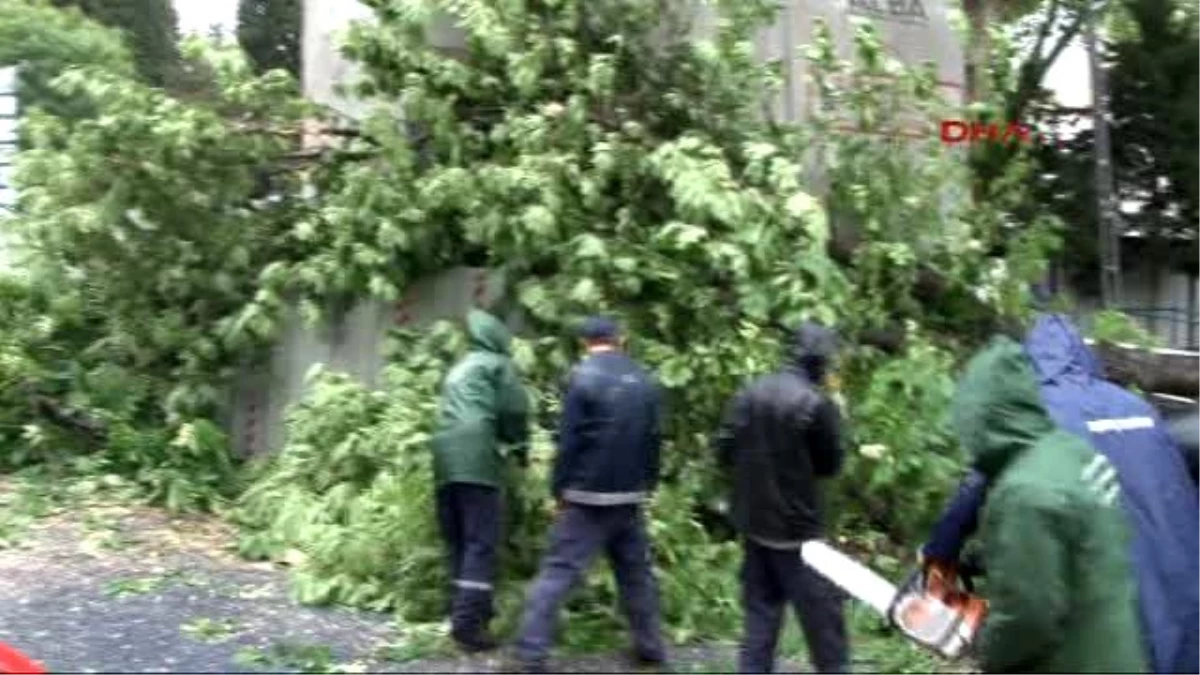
x,y
1161,371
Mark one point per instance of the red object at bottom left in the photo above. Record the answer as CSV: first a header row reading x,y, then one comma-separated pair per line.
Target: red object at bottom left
x,y
13,661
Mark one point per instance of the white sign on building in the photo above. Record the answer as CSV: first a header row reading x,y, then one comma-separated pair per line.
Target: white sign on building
x,y
8,135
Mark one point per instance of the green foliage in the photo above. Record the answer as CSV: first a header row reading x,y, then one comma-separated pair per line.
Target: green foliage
x,y
269,32
637,176
1114,327
150,27
144,231
182,214
350,492
45,41
904,455
349,502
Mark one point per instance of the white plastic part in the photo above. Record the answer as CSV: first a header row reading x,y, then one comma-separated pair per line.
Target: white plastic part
x,y
932,623
856,579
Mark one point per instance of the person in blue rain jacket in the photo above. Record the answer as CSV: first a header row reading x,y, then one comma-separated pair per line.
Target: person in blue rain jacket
x,y
1160,499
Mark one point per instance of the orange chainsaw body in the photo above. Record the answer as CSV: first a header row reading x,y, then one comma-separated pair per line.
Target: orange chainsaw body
x,y
933,609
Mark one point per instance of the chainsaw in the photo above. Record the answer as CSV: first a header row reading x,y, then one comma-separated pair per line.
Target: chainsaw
x,y
934,607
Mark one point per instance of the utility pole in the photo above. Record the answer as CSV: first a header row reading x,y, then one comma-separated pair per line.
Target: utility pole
x,y
1107,216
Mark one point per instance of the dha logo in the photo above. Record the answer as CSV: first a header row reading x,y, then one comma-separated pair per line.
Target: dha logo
x,y
954,132
1101,478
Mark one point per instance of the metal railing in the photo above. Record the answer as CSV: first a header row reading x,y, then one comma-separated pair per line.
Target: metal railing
x,y
1179,327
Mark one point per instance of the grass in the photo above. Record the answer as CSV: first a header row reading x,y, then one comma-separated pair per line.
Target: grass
x,y
23,500
415,642
211,631
39,492
26,497
306,658
130,586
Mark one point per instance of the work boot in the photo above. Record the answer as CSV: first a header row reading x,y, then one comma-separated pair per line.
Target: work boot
x,y
473,642
648,663
515,664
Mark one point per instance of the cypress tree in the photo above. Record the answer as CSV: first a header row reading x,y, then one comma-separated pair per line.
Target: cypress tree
x,y
1153,67
269,32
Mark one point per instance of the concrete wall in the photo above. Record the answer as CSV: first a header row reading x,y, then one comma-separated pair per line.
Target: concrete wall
x,y
352,343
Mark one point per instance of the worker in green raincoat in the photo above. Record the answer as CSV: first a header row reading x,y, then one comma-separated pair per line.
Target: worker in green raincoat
x,y
483,407
1060,587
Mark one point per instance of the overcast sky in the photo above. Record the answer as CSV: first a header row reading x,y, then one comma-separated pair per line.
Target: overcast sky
x,y
197,16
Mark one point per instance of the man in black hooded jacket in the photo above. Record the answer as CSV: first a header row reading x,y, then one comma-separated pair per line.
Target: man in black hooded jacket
x,y
780,434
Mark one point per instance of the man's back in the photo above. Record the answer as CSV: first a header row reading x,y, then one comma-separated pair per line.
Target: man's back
x,y
482,404
1159,499
610,436
771,453
1059,587
1057,508
779,435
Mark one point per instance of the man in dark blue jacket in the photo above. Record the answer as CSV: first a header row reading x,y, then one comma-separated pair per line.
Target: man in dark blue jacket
x,y
606,468
1159,497
779,437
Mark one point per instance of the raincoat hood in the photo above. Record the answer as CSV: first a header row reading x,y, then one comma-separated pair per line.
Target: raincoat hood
x,y
998,411
1059,352
812,348
487,333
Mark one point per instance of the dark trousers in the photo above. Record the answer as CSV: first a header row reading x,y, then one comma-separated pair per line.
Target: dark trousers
x,y
469,517
772,579
579,534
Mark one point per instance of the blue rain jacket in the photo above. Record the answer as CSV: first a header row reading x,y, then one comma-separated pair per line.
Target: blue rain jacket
x,y
1158,494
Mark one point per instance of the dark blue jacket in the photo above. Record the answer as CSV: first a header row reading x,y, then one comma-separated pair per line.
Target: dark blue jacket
x,y
1161,500
779,437
958,521
610,436
1158,494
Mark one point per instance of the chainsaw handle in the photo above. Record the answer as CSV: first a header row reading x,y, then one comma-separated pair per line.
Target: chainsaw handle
x,y
967,580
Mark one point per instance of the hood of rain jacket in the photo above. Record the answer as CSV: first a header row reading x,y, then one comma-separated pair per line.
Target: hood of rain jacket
x,y
483,405
1060,589
1158,495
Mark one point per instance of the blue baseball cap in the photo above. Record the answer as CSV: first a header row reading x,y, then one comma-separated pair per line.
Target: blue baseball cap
x,y
599,328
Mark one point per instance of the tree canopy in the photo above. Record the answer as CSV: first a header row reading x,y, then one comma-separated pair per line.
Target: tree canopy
x,y
151,26
605,155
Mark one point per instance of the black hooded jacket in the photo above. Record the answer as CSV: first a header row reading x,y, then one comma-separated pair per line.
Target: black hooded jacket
x,y
779,435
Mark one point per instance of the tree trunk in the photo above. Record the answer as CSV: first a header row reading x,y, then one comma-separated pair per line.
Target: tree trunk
x,y
1170,372
1160,371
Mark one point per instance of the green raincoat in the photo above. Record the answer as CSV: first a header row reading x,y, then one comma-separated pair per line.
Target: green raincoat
x,y
1054,538
483,405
